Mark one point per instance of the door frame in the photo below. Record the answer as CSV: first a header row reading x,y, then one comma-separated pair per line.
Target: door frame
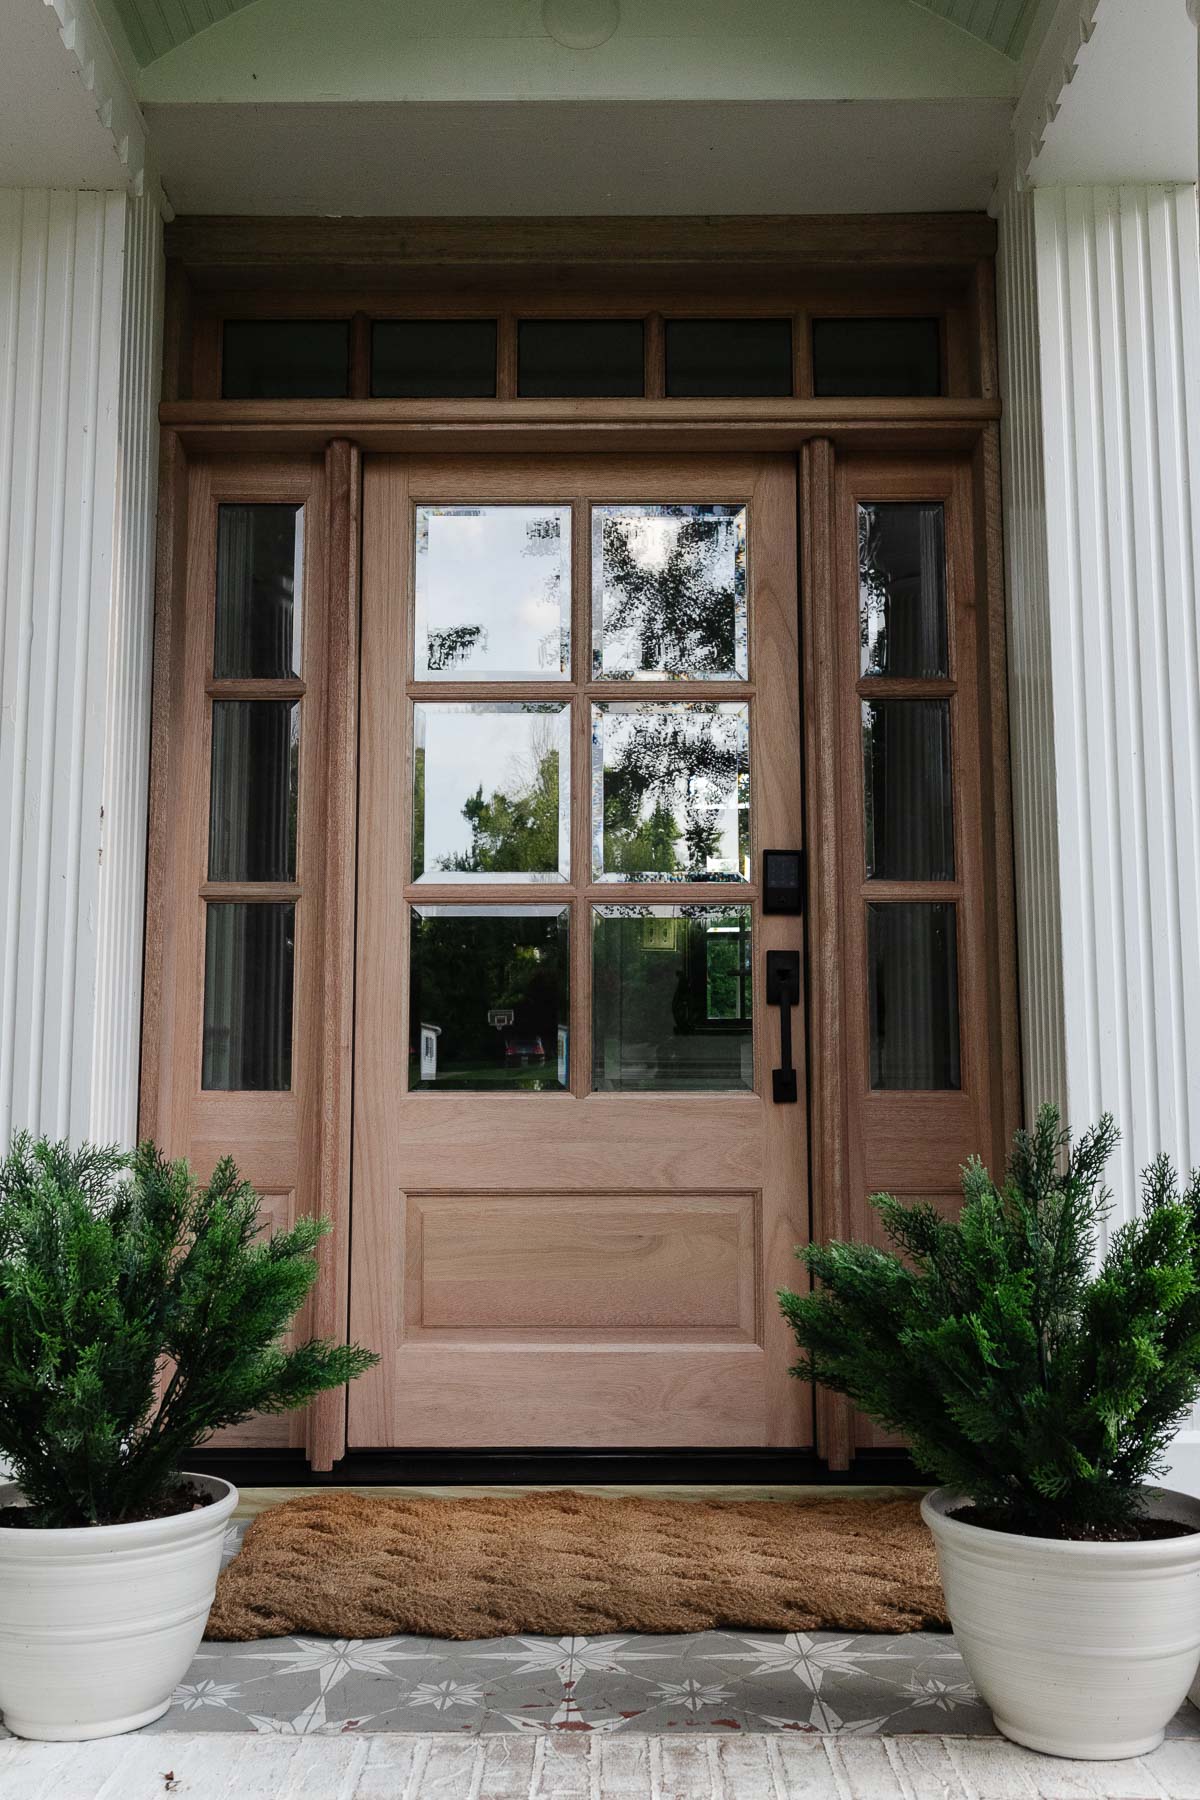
x,y
596,266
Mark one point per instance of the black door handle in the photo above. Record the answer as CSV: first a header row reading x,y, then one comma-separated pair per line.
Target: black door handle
x,y
783,991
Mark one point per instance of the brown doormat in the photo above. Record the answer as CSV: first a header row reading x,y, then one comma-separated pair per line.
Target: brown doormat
x,y
568,1564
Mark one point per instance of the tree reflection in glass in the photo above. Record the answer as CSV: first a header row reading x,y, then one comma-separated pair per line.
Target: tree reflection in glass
x,y
669,593
491,793
670,791
493,593
902,589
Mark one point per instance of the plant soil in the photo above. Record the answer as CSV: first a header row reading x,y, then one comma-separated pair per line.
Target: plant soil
x,y
1144,1531
184,1497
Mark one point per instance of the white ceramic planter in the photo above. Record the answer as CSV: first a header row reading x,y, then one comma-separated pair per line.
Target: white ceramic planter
x,y
99,1623
1082,1650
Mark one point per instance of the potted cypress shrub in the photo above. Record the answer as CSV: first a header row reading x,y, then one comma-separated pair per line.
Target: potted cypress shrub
x,y
139,1311
1042,1381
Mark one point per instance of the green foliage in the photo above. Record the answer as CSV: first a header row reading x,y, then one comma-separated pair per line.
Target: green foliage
x,y
1042,1381
139,1313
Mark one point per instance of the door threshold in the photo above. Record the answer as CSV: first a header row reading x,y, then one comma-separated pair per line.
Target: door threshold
x,y
558,1468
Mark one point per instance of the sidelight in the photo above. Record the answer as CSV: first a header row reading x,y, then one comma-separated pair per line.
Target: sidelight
x,y
252,806
260,557
249,958
902,589
906,781
912,954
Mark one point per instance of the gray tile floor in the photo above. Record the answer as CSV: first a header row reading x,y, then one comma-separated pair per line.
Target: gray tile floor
x,y
717,1682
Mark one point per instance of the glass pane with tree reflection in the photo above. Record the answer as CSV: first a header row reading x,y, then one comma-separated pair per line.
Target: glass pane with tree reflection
x,y
671,998
669,593
491,793
493,593
489,997
902,589
670,791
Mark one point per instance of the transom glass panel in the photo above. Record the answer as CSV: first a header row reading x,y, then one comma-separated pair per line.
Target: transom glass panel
x,y
670,791
493,593
669,593
491,792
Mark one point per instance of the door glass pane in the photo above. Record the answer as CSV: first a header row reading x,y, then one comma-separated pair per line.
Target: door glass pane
x,y
912,952
248,962
433,359
671,998
252,806
906,775
670,792
742,357
493,593
285,359
669,593
877,357
489,997
260,561
491,793
902,589
580,358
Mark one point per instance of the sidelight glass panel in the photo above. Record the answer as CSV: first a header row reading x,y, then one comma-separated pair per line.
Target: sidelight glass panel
x,y
580,358
493,593
671,996
433,359
902,589
252,805
912,955
734,357
670,791
491,793
249,957
876,357
260,563
669,593
489,997
906,778
285,359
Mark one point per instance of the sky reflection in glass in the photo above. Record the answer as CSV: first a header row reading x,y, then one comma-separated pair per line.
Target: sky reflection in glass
x,y
491,793
493,593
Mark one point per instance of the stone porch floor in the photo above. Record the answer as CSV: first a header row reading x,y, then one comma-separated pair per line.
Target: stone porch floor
x,y
201,1766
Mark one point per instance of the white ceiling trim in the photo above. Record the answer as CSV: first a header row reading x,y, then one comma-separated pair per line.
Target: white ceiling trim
x,y
103,80
1053,71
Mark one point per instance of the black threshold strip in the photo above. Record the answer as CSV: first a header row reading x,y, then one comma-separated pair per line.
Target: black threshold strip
x,y
557,1468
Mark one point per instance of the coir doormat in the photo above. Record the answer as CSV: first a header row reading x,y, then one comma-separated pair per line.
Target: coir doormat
x,y
576,1565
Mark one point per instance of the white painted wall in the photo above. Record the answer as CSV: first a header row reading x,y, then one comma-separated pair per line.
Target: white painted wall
x,y
80,309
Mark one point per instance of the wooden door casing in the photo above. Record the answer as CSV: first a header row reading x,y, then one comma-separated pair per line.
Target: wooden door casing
x,y
493,1233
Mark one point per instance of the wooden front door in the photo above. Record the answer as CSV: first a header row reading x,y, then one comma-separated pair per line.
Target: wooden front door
x,y
574,1193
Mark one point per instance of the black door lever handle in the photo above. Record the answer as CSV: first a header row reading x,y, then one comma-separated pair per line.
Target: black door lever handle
x,y
783,991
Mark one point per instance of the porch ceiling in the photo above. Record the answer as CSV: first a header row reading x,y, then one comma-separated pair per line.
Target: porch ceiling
x,y
153,29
